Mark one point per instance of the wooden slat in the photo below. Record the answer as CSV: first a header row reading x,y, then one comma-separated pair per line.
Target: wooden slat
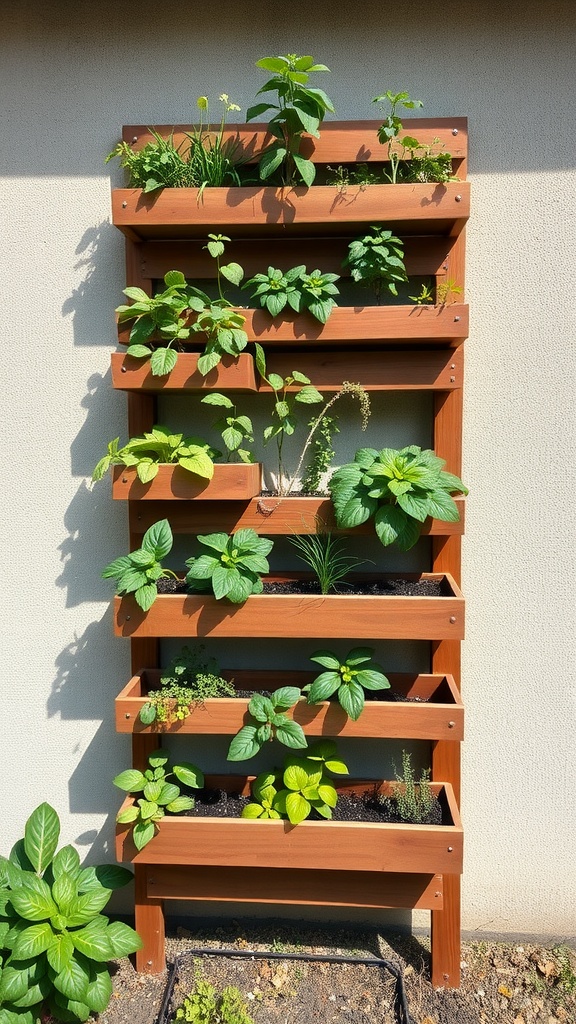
x,y
440,209
347,324
445,938
270,615
269,516
439,716
296,887
129,374
337,846
149,922
428,369
231,482
422,256
340,141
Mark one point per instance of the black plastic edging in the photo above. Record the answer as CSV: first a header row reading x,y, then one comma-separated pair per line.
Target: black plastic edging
x,y
400,1001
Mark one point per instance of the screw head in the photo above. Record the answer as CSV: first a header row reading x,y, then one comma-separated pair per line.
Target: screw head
x,y
458,199
128,617
454,132
127,715
124,205
452,380
437,893
450,849
123,369
450,724
134,138
456,319
452,366
452,618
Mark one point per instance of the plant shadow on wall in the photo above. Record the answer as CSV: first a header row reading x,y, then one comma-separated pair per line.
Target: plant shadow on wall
x,y
100,263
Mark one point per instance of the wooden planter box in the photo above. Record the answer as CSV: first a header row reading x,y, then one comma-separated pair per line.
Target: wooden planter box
x,y
272,516
350,325
325,845
184,213
130,374
441,717
231,482
270,615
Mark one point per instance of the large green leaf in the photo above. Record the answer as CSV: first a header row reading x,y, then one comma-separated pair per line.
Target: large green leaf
x,y
323,687
415,504
64,891
99,988
33,901
158,539
60,951
41,834
86,906
371,679
94,942
297,808
33,941
291,734
31,1016
189,774
142,833
72,981
124,940
351,698
17,978
107,876
131,780
66,861
19,858
244,745
34,994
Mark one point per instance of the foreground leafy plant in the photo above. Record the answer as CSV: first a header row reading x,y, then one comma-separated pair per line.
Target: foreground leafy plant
x,y
269,720
348,679
189,680
409,160
54,940
162,315
296,288
399,488
159,164
235,429
306,786
159,447
204,1006
138,572
377,261
389,130
235,571
159,795
300,110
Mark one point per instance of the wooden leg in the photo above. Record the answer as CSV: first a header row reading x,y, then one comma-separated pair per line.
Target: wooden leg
x,y
446,937
150,925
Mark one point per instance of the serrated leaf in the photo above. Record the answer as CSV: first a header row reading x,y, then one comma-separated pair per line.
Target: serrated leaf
x,y
131,780
291,734
297,808
305,167
181,803
244,745
163,361
158,539
233,272
351,699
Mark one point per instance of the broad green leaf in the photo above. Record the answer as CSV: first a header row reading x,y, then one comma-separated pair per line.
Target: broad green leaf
x,y
147,470
214,398
32,941
370,679
60,951
323,687
442,506
328,794
33,901
336,766
17,978
270,160
41,834
137,294
163,361
35,993
327,659
152,790
355,511
189,775
148,713
168,794
147,809
124,940
306,167
19,857
297,808
86,906
351,698
244,745
31,1016
142,833
107,876
233,272
452,483
415,505
359,656
286,696
72,981
251,810
93,942
145,596
99,988
131,780
243,587
181,803
127,814
141,330
174,278
393,525
66,862
158,539
64,891
297,778
291,734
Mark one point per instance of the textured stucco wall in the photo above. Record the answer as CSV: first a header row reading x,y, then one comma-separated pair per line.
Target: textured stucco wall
x,y
72,74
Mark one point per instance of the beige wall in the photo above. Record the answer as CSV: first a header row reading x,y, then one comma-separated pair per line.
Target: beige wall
x,y
73,73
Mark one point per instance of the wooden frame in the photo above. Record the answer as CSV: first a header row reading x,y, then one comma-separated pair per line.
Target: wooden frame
x,y
439,715
301,615
331,845
434,239
234,481
129,374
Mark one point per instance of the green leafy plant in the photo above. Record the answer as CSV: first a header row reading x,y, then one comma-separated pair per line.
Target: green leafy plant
x,y
190,679
400,489
159,447
269,721
159,164
296,288
214,159
164,316
138,572
217,319
446,292
299,110
284,420
158,795
348,679
204,1006
324,554
235,429
54,940
234,572
425,296
412,799
360,175
425,165
322,453
389,130
305,786
377,261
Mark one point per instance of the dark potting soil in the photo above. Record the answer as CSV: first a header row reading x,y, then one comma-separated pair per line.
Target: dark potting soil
x,y
375,588
388,696
217,803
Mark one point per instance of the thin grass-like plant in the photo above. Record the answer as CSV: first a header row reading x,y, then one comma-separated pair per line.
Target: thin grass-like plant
x,y
213,158
323,553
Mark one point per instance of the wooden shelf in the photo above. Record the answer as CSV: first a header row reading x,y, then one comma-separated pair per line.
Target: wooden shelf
x,y
439,209
333,845
231,482
271,615
438,714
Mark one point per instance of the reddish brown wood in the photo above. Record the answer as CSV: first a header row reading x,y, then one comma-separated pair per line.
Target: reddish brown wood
x,y
269,516
339,142
445,937
350,325
335,845
423,256
399,618
183,213
300,887
149,922
129,374
441,717
231,482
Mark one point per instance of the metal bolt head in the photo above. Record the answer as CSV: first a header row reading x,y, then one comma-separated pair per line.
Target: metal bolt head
x,y
450,724
452,380
124,205
456,319
454,132
123,369
135,137
450,849
452,618
149,962
128,617
124,479
437,893
452,366
458,199
127,715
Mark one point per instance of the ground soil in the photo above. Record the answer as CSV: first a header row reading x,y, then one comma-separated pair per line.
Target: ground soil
x,y
376,588
502,983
